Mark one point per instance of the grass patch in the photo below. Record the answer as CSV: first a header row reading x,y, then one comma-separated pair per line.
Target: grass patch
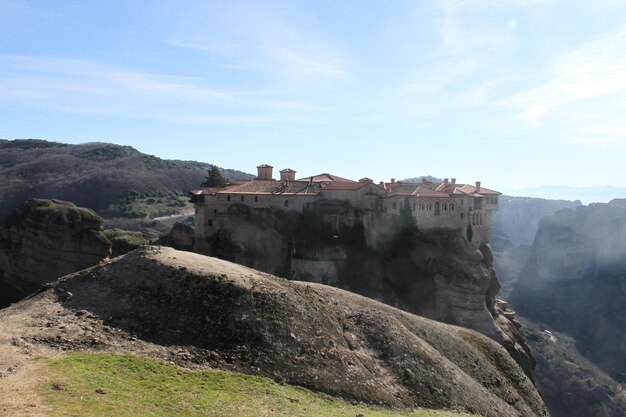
x,y
82,384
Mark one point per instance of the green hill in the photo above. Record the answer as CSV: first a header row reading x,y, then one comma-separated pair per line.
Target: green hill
x,y
95,175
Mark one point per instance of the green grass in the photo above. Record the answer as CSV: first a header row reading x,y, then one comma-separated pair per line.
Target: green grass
x,y
87,384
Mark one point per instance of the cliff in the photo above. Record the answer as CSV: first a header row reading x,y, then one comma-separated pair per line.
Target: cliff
x,y
199,311
575,281
518,218
438,274
42,240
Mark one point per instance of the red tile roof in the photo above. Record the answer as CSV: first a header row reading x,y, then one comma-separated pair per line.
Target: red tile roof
x,y
325,177
344,185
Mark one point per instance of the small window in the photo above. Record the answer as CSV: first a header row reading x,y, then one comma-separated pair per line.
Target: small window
x,y
286,203
256,198
445,207
437,210
461,202
451,206
214,211
394,206
228,198
210,222
462,215
241,198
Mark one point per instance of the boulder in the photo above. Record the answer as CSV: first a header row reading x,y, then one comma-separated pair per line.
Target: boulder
x,y
42,240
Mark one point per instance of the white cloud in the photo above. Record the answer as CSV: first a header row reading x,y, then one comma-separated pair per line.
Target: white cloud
x,y
595,69
260,40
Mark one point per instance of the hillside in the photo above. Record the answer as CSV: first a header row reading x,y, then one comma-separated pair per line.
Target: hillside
x,y
93,175
201,312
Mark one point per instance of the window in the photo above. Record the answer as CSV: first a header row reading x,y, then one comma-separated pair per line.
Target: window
x,y
256,198
461,202
462,216
214,211
437,208
445,207
210,223
228,198
241,198
286,203
394,206
451,206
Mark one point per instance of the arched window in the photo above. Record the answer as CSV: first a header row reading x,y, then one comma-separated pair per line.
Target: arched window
x,y
480,218
228,198
437,208
394,206
286,203
445,207
451,206
256,198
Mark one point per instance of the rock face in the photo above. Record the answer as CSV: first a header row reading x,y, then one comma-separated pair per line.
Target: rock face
x,y
181,237
42,240
327,339
517,218
575,281
438,274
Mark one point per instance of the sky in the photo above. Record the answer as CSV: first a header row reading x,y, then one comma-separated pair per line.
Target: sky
x,y
515,93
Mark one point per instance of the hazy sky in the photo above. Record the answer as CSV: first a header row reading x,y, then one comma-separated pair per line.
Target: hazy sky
x,y
515,93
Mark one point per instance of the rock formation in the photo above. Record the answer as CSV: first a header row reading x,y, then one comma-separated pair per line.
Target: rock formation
x,y
42,240
517,218
181,237
437,274
575,281
211,312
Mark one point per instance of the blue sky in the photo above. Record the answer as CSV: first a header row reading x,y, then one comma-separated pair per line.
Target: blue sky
x,y
516,93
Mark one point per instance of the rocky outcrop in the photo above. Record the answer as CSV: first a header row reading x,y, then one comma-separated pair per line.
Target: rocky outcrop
x,y
224,315
575,281
437,274
42,240
517,218
181,237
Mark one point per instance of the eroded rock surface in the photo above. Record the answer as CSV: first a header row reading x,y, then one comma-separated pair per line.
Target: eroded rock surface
x,y
42,240
225,315
575,281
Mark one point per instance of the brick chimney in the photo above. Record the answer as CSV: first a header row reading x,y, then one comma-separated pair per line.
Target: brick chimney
x,y
477,186
265,172
445,181
393,180
453,181
287,174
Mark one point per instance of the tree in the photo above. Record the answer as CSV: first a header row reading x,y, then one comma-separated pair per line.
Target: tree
x,y
214,178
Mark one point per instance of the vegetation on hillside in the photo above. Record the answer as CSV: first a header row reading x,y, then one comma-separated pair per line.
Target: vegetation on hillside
x,y
571,385
94,175
109,384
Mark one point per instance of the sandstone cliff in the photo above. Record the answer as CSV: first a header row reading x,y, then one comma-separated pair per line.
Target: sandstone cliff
x,y
42,240
575,281
201,311
438,274
517,218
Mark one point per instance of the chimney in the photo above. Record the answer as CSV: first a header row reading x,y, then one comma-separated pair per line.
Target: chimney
x,y
287,174
393,180
265,172
445,181
453,181
477,186
424,181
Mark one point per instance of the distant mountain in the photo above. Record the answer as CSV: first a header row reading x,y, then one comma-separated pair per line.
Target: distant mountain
x,y
95,175
596,194
430,178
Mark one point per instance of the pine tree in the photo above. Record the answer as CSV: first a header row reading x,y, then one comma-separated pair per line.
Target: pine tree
x,y
214,178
